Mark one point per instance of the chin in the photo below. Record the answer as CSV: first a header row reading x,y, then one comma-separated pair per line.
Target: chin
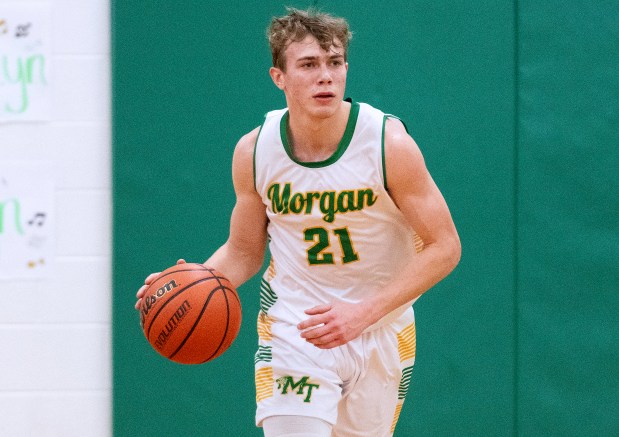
x,y
325,111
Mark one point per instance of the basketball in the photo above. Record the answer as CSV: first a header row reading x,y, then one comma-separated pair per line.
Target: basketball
x,y
190,313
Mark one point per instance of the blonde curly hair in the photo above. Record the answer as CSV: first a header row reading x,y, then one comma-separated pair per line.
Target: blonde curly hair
x,y
297,24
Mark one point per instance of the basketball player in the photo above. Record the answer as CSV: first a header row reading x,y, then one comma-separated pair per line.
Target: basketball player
x,y
357,231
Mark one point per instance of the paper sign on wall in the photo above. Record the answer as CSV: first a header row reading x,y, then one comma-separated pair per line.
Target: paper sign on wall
x,y
25,49
26,219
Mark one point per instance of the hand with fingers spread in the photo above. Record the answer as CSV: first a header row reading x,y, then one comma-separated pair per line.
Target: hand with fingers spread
x,y
149,280
334,324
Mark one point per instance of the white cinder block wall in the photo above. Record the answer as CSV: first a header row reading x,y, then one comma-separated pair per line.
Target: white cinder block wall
x,y
55,334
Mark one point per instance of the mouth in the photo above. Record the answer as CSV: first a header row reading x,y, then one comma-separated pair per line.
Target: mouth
x,y
323,96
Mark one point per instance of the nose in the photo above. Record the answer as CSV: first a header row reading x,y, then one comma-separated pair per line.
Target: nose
x,y
325,75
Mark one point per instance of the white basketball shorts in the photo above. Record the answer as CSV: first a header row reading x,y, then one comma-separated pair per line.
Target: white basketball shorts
x,y
359,387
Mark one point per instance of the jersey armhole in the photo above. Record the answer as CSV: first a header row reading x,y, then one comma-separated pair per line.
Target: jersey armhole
x,y
383,145
255,152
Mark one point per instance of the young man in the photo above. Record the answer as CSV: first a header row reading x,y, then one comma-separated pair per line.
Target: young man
x,y
357,231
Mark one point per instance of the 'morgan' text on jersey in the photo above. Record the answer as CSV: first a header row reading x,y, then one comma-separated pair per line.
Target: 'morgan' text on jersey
x,y
284,201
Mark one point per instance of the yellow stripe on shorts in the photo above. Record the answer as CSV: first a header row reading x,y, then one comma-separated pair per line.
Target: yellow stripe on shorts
x,y
264,327
396,416
264,383
407,343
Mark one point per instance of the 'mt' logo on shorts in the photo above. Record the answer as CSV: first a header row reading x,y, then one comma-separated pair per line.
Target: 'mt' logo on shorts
x,y
287,382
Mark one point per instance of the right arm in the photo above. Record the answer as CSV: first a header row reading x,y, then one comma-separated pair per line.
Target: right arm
x,y
242,255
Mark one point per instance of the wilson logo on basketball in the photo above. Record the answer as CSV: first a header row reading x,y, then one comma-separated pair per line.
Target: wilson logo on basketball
x,y
173,322
149,301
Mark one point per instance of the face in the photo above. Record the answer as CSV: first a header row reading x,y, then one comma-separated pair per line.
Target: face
x,y
314,80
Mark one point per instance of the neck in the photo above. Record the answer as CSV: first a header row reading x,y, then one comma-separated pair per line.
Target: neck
x,y
315,139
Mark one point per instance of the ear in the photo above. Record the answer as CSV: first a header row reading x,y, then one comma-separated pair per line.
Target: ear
x,y
278,77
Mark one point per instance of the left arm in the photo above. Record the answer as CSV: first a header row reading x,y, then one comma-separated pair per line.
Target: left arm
x,y
417,196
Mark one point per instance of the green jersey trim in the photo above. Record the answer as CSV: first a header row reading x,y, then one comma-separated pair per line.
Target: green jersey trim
x,y
341,148
255,148
382,147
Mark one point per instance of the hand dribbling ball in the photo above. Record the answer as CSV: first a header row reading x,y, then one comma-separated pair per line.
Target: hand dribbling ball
x,y
190,313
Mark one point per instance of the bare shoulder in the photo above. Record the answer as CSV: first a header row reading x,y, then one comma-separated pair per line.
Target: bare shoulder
x,y
403,158
247,143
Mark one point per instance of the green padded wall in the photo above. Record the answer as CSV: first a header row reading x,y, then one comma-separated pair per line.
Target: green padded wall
x,y
514,105
568,216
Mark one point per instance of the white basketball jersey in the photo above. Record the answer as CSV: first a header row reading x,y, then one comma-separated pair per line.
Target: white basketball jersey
x,y
334,231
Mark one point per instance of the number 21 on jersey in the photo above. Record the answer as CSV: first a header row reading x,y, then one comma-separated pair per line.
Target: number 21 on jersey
x,y
319,252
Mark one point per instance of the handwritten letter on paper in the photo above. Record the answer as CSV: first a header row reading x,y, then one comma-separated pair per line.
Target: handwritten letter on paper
x,y
24,62
26,228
